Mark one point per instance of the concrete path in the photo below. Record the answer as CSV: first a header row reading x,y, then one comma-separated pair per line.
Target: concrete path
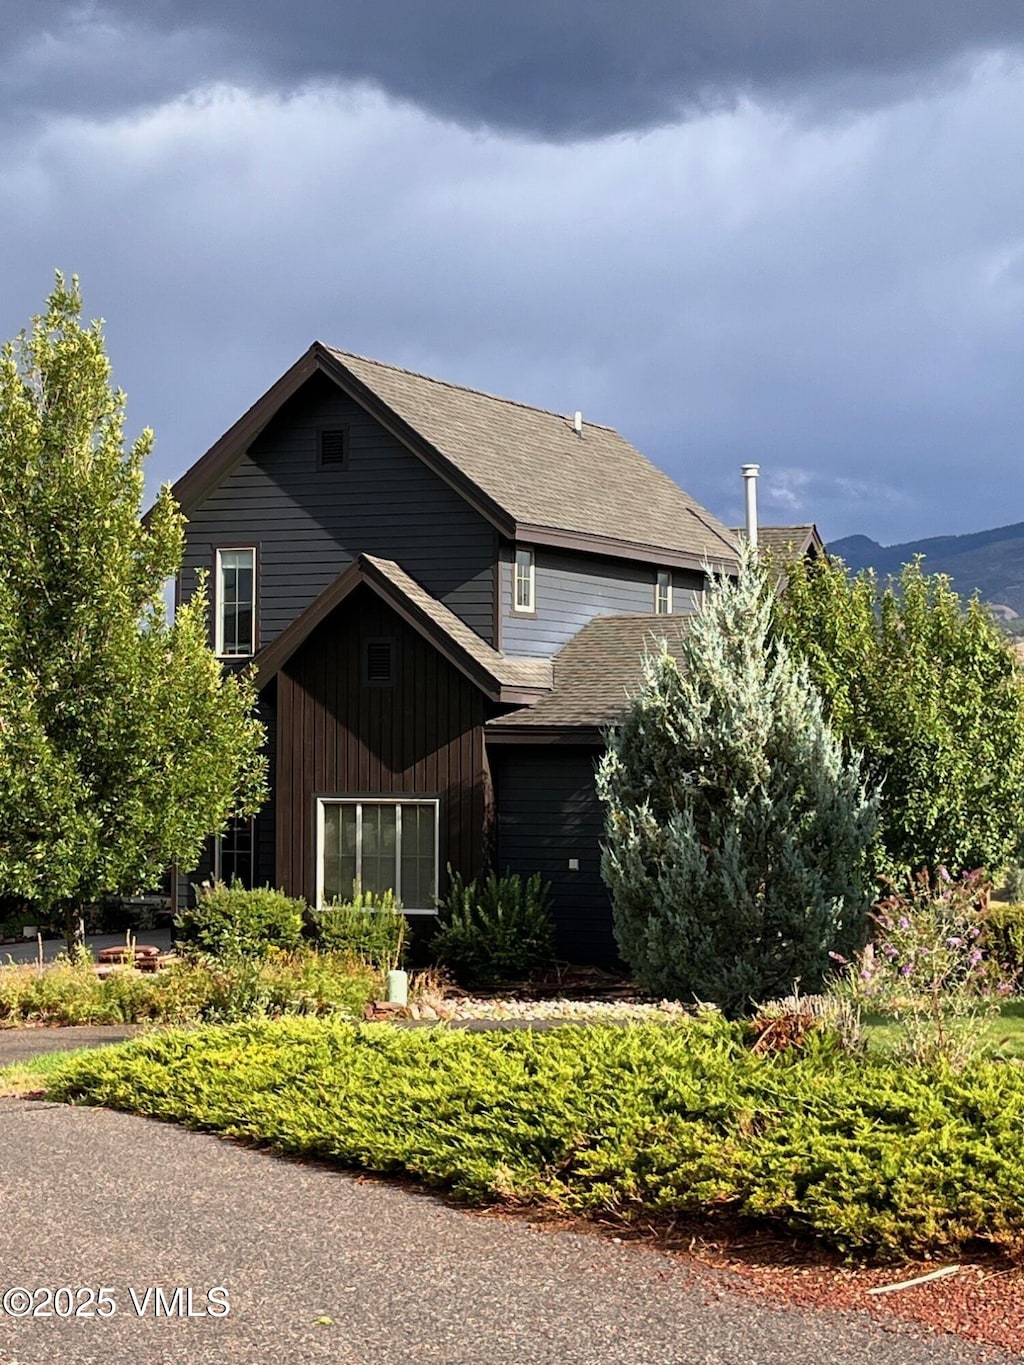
x,y
319,1266
21,1044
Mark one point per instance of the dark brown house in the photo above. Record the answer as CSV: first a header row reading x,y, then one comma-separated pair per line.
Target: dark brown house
x,y
446,596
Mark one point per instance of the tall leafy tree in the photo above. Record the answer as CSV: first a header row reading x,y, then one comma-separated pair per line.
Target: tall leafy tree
x,y
736,830
123,743
929,691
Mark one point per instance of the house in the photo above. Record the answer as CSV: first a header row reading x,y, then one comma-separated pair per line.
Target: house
x,y
445,596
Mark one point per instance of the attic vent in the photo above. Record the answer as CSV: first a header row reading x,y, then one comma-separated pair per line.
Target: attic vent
x,y
378,662
333,447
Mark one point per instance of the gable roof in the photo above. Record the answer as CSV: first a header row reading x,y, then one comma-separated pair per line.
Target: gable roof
x,y
499,677
594,674
800,540
524,468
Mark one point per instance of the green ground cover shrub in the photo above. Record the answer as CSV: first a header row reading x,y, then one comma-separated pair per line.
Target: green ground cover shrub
x,y
231,922
302,982
499,929
370,927
864,1154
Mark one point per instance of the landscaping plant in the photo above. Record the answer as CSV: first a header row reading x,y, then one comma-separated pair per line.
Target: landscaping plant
x,y
232,922
635,1124
736,828
928,971
369,926
498,929
123,742
928,690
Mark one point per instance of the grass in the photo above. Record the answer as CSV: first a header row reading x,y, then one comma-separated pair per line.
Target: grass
x,y
1003,1037
33,1076
865,1155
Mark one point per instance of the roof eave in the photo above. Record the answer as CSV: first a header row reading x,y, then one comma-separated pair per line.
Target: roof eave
x,y
589,733
615,548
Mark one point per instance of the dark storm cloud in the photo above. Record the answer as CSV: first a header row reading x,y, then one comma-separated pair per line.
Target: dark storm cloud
x,y
555,68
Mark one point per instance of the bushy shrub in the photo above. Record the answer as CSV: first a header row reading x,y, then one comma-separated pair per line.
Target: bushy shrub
x,y
927,967
370,927
633,1123
496,930
231,922
1003,938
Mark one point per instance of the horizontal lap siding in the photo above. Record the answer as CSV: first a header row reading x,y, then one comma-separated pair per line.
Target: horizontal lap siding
x,y
571,589
548,812
422,737
310,523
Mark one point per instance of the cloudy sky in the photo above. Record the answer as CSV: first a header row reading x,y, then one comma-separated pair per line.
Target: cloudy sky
x,y
787,231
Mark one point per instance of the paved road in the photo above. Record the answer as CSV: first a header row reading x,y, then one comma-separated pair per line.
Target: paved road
x,y
91,1198
52,947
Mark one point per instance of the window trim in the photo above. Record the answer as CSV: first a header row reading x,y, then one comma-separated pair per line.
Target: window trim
x,y
659,575
396,799
218,613
218,850
531,579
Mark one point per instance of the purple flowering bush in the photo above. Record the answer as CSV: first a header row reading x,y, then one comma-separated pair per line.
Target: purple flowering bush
x,y
928,968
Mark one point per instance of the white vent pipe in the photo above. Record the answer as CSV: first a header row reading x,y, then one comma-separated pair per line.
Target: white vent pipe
x,y
750,473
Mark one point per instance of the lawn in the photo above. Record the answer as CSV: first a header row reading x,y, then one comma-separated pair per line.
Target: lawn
x,y
1003,1037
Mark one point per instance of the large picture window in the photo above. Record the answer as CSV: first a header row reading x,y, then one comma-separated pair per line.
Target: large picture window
x,y
382,845
236,603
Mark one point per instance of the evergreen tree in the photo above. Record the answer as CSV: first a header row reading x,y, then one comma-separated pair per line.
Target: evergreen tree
x,y
929,691
736,831
123,743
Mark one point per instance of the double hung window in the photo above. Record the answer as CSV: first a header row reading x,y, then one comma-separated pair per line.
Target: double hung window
x,y
236,603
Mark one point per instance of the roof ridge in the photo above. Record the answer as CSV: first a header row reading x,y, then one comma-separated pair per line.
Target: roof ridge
x,y
463,388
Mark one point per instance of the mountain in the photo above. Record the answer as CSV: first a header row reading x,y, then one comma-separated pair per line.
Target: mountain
x,y
988,562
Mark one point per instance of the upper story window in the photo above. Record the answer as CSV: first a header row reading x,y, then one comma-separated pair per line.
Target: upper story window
x,y
524,597
663,593
236,603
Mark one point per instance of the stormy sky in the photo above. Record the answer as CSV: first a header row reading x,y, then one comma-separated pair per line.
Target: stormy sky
x,y
788,231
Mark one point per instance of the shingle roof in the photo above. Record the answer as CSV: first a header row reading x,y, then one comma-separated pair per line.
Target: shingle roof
x,y
501,677
531,463
782,540
595,672
505,670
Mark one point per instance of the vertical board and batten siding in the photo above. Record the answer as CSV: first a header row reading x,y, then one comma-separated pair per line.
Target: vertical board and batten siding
x,y
571,589
336,737
309,523
548,812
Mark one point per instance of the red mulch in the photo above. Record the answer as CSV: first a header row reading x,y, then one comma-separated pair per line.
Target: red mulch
x,y
983,1302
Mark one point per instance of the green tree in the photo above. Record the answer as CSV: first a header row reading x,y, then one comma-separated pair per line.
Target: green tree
x,y
929,691
736,831
123,743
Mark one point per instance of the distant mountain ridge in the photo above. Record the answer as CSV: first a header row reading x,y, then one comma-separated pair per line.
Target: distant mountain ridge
x,y
988,562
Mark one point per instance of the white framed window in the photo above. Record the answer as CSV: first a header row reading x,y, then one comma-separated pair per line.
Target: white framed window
x,y
236,603
383,845
234,852
663,593
523,595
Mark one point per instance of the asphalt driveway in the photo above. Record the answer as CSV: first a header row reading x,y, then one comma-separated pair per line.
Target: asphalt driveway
x,y
320,1266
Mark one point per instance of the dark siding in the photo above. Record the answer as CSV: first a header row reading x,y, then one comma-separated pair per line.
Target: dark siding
x,y
573,588
423,736
548,812
309,523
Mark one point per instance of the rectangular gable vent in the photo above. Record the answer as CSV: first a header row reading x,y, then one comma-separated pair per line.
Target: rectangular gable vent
x,y
378,662
333,448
